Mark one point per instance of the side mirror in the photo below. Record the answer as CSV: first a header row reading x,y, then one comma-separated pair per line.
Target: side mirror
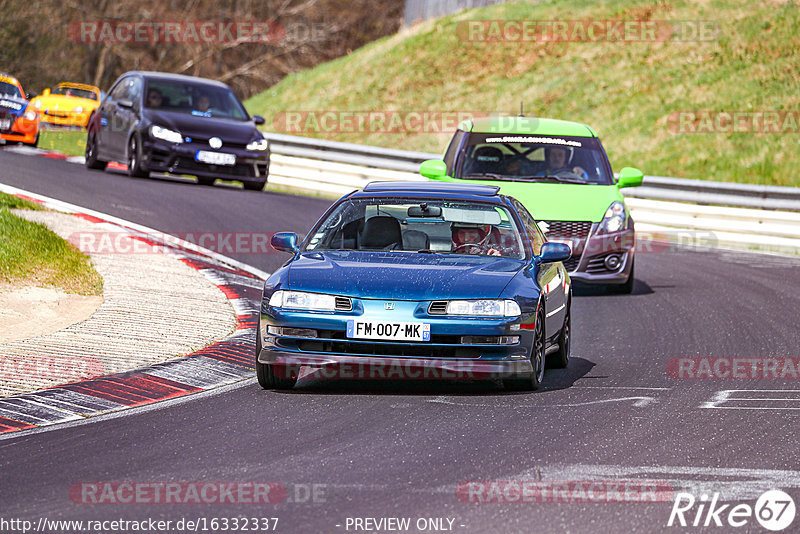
x,y
46,92
31,95
258,119
433,169
552,252
285,242
630,177
127,104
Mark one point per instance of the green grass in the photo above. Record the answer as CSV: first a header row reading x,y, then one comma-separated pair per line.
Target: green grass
x,y
70,142
32,255
626,91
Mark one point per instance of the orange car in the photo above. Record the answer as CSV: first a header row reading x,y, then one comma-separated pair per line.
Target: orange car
x,y
19,120
68,104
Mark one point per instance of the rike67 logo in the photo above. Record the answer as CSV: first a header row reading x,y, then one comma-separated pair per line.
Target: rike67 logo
x,y
774,510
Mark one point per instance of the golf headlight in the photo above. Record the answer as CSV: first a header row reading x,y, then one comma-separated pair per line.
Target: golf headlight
x,y
259,145
300,300
613,220
165,134
30,115
484,308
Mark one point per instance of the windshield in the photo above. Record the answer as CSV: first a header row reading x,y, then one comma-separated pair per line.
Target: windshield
x,y
536,158
421,226
9,89
73,91
201,100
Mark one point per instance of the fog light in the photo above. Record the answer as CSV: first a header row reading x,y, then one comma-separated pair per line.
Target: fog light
x,y
291,332
612,262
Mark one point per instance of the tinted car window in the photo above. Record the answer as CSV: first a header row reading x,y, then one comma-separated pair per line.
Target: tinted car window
x,y
74,91
119,91
9,89
533,230
452,150
199,99
535,157
411,225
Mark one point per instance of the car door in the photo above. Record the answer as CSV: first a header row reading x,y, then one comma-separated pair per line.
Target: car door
x,y
104,134
551,276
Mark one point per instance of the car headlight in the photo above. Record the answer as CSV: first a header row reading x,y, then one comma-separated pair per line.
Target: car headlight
x,y
260,145
300,300
484,308
37,104
78,109
614,219
166,134
30,115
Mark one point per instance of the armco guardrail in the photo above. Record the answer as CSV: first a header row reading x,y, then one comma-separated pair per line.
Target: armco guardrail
x,y
655,187
708,213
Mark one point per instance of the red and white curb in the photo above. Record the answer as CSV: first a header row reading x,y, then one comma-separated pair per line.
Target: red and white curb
x,y
222,363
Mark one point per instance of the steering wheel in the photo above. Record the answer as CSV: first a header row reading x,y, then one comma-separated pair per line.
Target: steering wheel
x,y
567,172
478,246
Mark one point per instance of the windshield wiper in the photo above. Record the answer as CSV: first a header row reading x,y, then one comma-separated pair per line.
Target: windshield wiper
x,y
488,176
427,251
550,177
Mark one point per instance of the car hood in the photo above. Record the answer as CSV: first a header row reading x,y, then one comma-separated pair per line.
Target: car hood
x,y
559,202
229,130
401,276
64,102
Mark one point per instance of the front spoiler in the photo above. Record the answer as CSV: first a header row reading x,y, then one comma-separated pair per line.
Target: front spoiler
x,y
375,367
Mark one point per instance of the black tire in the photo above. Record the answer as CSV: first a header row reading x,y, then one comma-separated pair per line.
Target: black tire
x,y
91,154
136,168
265,372
560,359
254,186
533,381
205,180
627,287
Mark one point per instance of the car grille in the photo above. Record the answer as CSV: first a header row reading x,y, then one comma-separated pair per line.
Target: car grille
x,y
572,263
379,348
343,304
188,165
438,307
568,229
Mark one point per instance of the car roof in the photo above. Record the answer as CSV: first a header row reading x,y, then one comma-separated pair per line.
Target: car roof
x,y
450,190
526,125
152,75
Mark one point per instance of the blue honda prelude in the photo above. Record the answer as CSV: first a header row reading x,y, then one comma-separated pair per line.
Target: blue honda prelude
x,y
417,280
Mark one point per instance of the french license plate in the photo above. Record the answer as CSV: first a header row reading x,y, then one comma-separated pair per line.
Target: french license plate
x,y
388,330
215,158
5,124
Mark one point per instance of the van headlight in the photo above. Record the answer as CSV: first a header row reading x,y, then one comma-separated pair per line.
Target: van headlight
x,y
166,134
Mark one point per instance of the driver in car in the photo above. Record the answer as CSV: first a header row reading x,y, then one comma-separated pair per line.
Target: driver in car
x,y
472,240
556,160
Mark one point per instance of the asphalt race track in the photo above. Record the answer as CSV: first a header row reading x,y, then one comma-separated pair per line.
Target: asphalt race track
x,y
379,449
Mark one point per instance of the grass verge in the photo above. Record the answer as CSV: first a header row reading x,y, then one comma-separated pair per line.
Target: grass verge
x,y
32,255
629,91
69,142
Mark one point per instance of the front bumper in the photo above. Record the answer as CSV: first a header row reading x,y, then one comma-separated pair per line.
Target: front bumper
x,y
587,265
22,130
61,118
444,356
162,156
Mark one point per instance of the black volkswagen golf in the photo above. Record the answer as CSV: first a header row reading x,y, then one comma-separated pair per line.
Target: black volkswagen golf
x,y
159,122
